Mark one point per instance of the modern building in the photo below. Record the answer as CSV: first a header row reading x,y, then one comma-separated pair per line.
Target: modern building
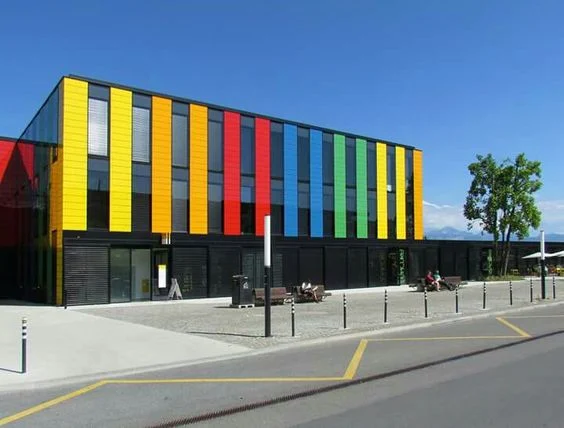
x,y
115,190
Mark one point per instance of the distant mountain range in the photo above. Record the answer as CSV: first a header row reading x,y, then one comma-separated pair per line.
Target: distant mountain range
x,y
450,233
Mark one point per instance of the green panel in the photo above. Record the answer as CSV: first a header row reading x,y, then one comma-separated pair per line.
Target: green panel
x,y
340,187
361,190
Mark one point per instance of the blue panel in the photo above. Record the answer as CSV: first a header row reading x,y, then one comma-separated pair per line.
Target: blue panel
x,y
316,185
290,180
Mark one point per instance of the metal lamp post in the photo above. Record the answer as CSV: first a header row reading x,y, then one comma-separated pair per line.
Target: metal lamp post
x,y
543,282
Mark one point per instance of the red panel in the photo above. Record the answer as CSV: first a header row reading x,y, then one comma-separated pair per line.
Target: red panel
x,y
232,174
262,173
26,153
6,148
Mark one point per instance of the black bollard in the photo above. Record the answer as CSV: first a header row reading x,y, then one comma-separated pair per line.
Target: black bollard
x,y
386,306
426,306
510,294
484,296
293,319
553,288
456,299
66,298
24,345
344,311
531,289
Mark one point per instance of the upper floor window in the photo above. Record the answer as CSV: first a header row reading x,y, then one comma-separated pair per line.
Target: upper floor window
x,y
215,140
180,135
247,145
141,128
98,97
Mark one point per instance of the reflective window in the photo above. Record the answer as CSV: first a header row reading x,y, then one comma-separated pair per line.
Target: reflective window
x,y
247,145
350,154
328,212
247,205
276,150
303,209
372,214
98,198
392,215
180,149
328,155
351,213
391,170
277,207
303,154
215,140
141,134
179,205
215,203
371,164
141,198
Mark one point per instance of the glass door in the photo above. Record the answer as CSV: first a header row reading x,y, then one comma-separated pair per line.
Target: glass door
x,y
141,274
120,275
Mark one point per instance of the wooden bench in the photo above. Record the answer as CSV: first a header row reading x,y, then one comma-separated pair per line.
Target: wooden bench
x,y
278,295
301,297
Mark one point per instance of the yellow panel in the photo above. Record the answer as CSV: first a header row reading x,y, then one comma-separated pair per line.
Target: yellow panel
x,y
382,190
75,144
120,160
400,193
198,169
162,165
418,193
55,222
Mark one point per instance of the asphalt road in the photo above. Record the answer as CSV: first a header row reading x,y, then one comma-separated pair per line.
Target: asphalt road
x,y
519,385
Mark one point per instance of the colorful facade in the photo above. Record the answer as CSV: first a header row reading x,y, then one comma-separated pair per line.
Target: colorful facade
x,y
135,180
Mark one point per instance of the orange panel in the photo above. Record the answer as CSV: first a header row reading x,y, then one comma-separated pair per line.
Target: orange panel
x,y
161,165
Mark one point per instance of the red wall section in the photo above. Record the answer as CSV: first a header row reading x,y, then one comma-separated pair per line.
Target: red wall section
x,y
232,174
262,173
6,148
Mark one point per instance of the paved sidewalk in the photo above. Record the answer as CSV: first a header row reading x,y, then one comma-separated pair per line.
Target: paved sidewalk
x,y
91,341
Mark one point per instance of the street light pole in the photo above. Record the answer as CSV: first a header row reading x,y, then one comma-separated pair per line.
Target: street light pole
x,y
543,282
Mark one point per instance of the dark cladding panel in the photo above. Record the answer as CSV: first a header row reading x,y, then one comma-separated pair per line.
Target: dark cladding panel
x,y
447,264
311,265
289,267
189,267
357,268
377,267
86,275
416,264
335,268
224,263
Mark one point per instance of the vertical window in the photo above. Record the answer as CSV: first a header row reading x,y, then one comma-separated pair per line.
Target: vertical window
x,y
391,184
98,97
328,162
350,155
328,186
247,175
409,204
371,180
276,150
141,198
179,200
98,216
141,128
277,206
215,171
328,212
303,182
247,145
180,135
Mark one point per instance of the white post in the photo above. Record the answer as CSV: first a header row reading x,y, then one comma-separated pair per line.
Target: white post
x,y
267,241
267,276
543,283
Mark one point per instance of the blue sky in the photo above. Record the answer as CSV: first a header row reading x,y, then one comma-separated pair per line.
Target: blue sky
x,y
454,78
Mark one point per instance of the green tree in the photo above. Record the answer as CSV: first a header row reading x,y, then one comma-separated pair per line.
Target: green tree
x,y
500,201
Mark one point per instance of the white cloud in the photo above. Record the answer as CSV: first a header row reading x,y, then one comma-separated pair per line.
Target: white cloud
x,y
439,216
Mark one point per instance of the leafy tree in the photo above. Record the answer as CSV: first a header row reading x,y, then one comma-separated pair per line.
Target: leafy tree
x,y
500,201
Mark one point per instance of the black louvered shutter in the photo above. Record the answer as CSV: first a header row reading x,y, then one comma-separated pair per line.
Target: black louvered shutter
x,y
86,275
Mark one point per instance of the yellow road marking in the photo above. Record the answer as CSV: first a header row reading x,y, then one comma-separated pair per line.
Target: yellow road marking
x,y
355,360
513,327
50,403
536,316
400,339
222,380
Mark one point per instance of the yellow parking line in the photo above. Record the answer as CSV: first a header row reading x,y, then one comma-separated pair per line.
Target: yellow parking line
x,y
536,316
513,327
50,403
355,360
222,380
415,339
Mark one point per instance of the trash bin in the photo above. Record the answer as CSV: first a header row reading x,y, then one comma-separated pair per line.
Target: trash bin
x,y
242,293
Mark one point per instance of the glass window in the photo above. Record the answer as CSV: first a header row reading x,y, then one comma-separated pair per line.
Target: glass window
x,y
328,162
276,150
350,161
141,198
215,203
303,209
179,205
328,212
97,127
372,214
409,204
215,142
391,170
303,154
392,215
277,207
141,101
120,274
179,108
98,92
141,134
351,213
371,164
98,209
247,145
247,205
180,140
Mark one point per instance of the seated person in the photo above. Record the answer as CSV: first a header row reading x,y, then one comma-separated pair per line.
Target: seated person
x,y
308,290
430,280
441,281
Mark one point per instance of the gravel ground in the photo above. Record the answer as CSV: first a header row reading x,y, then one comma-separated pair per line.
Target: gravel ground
x,y
365,309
